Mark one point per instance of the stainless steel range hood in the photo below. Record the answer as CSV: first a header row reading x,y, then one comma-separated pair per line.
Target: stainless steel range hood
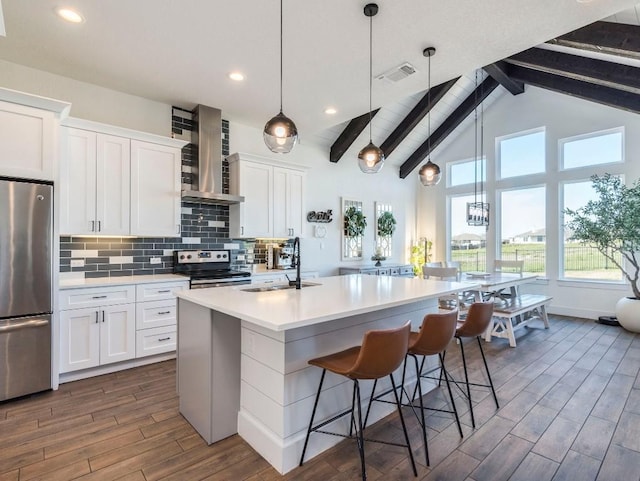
x,y
208,140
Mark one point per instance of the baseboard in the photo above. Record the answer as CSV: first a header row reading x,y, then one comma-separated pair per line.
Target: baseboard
x,y
118,366
577,312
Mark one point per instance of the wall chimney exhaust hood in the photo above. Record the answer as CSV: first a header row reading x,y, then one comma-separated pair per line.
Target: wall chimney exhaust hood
x,y
208,140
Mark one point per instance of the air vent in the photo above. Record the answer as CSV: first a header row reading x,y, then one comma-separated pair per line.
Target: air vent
x,y
398,73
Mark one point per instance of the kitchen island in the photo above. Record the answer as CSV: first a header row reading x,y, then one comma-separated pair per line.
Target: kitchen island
x,y
242,354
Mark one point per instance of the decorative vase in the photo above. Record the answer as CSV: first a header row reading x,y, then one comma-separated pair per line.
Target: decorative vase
x,y
628,313
378,264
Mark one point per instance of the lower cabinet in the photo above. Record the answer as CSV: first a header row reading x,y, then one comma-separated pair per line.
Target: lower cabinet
x,y
403,270
96,336
104,325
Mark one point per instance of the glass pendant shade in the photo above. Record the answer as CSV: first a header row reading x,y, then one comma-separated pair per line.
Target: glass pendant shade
x,y
430,174
280,134
371,159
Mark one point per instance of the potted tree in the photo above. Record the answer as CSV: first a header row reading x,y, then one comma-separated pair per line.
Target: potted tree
x,y
611,224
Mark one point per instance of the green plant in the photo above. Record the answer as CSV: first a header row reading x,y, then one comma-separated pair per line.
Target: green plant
x,y
386,224
354,222
611,224
418,257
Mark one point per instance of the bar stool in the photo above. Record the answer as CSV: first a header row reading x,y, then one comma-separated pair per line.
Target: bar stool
x,y
381,353
476,322
434,337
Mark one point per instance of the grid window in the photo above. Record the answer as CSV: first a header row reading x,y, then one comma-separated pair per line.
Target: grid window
x,y
465,172
467,244
592,149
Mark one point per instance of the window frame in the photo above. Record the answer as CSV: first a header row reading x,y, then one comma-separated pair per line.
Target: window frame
x,y
522,133
598,133
464,161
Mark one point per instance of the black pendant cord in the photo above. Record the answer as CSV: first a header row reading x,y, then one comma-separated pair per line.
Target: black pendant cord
x,y
370,71
430,107
280,55
482,197
475,145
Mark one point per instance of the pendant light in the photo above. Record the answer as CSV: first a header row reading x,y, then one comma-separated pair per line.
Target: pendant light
x,y
280,133
371,158
430,173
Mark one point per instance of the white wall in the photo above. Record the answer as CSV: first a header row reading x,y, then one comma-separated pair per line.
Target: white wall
x,y
326,184
563,116
89,101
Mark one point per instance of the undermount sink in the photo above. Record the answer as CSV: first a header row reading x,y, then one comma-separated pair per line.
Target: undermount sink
x,y
277,288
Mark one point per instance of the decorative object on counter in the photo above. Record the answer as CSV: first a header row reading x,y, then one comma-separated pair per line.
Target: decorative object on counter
x,y
386,226
378,256
323,217
478,210
420,254
280,133
430,173
611,224
354,223
370,158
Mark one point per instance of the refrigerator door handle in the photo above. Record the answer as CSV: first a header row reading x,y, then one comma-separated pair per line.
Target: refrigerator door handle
x,y
24,324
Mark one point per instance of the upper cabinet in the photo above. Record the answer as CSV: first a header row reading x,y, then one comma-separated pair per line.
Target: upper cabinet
x,y
28,134
274,197
118,182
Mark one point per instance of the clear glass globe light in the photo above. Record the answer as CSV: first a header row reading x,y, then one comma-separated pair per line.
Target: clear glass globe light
x,y
280,134
371,159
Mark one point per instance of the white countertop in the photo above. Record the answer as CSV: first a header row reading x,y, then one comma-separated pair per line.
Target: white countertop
x,y
261,270
74,283
330,298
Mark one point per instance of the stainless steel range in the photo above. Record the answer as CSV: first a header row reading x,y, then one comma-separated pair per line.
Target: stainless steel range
x,y
208,268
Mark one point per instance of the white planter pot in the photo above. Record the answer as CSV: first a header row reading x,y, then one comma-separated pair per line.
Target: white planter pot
x,y
628,313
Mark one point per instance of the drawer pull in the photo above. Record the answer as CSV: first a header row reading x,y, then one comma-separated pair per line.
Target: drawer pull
x,y
98,297
164,292
164,339
164,312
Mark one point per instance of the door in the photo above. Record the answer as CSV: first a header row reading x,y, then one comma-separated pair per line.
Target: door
x,y
25,248
113,185
79,339
117,333
78,182
155,190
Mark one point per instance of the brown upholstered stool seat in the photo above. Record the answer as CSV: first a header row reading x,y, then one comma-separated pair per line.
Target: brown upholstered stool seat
x,y
381,353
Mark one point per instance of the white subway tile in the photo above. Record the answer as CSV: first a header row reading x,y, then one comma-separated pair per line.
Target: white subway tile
x,y
191,240
216,223
187,210
84,253
232,246
121,260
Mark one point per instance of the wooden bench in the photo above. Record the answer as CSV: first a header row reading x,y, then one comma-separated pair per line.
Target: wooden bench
x,y
508,316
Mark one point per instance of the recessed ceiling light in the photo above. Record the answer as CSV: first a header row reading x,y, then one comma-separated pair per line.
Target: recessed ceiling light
x,y
330,111
237,76
69,15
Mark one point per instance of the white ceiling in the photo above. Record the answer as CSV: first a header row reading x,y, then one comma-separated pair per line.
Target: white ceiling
x,y
180,51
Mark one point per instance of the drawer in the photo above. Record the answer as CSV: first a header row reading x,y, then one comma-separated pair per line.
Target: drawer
x,y
159,290
155,341
406,271
156,314
96,296
384,271
369,272
394,271
269,279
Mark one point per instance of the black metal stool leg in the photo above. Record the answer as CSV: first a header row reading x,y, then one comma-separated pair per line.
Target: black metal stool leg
x,y
424,425
352,421
404,426
313,415
360,432
453,403
466,380
495,398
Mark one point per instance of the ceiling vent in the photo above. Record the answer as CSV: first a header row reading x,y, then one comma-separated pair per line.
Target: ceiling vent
x,y
398,73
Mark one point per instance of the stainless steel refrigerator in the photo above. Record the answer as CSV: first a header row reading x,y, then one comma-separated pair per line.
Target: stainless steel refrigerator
x,y
26,245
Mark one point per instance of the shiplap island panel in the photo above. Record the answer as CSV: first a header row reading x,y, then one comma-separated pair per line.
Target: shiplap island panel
x,y
242,356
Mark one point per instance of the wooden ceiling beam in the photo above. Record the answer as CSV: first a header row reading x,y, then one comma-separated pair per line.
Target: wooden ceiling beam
x,y
449,125
413,118
605,37
349,135
498,71
615,75
601,94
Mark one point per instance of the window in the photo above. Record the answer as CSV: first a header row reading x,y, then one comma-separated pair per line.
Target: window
x,y
521,154
583,261
592,149
523,227
465,172
467,243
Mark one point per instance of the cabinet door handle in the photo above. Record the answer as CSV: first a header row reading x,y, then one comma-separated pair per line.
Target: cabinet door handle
x,y
241,230
99,226
99,297
93,226
177,228
164,312
163,339
164,291
97,317
102,316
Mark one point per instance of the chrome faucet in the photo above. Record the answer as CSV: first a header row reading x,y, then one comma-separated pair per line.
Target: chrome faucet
x,y
296,262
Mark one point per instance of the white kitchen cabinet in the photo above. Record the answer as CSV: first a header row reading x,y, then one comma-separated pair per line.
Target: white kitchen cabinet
x,y
28,135
156,315
97,326
288,202
94,183
155,189
269,278
274,197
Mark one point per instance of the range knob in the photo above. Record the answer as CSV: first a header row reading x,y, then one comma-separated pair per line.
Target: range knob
x,y
218,256
224,256
189,256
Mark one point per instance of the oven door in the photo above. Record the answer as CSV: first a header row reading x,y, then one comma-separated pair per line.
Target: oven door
x,y
206,283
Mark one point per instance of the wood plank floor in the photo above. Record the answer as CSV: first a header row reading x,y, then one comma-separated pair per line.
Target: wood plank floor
x,y
569,410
